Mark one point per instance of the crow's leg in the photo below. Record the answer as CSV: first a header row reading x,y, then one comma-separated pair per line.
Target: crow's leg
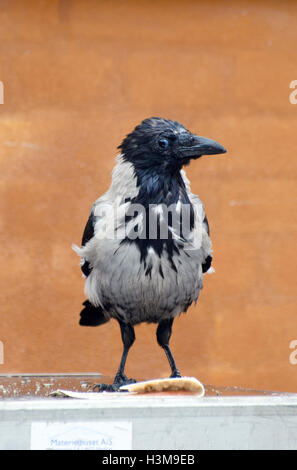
x,y
163,336
128,338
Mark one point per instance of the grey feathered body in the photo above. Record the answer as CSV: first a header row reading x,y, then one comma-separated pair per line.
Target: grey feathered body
x,y
127,287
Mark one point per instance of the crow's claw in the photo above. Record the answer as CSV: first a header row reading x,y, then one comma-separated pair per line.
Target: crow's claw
x,y
115,387
105,388
175,375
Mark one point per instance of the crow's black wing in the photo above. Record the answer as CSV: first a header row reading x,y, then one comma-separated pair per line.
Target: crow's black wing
x,y
89,230
207,263
90,315
87,235
206,225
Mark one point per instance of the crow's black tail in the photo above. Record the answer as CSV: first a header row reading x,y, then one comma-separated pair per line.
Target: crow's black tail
x,y
92,316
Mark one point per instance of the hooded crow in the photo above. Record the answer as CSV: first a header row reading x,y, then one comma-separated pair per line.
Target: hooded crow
x,y
146,245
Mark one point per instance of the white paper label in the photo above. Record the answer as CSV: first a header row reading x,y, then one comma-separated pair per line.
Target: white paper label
x,y
100,435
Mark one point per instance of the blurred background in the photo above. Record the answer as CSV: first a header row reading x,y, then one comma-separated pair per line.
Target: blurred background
x,y
78,75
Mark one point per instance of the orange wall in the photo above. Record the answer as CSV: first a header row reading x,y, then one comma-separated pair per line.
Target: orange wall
x,y
79,75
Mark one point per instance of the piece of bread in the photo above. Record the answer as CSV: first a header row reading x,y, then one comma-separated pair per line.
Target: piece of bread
x,y
187,384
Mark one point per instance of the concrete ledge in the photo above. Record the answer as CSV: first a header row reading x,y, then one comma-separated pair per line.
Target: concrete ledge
x,y
163,422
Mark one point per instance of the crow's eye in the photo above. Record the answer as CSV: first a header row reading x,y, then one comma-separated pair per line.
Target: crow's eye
x,y
163,143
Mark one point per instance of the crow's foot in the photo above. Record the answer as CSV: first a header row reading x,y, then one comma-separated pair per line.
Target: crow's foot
x,y
119,380
105,388
175,375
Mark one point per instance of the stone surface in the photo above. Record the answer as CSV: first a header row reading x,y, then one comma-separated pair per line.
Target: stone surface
x,y
43,386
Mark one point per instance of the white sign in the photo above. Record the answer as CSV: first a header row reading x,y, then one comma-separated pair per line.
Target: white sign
x,y
89,435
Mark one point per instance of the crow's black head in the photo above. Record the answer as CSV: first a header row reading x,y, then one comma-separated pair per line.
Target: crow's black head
x,y
164,144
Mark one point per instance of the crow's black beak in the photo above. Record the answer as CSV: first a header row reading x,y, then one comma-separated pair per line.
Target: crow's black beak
x,y
201,146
